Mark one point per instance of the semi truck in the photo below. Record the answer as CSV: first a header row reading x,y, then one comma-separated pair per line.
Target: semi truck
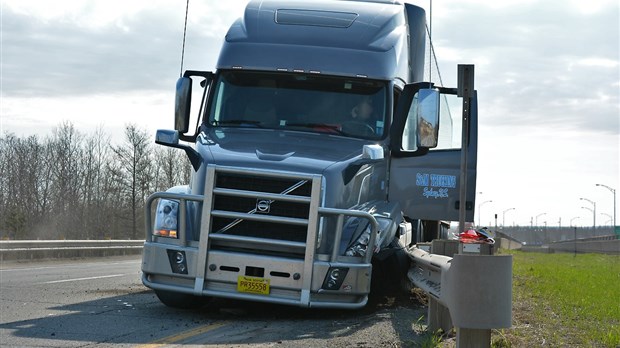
x,y
314,147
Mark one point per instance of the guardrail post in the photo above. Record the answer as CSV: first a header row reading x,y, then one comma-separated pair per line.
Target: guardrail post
x,y
466,338
471,290
474,337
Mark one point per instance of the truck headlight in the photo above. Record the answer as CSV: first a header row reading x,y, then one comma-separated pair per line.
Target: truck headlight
x,y
360,245
166,222
358,248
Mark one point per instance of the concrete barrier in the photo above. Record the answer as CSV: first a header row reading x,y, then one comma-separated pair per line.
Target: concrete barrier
x,y
63,249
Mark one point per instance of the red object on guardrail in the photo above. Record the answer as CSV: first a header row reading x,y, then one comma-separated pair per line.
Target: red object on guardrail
x,y
472,236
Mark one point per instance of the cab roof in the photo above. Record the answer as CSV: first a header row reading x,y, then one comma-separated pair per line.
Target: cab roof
x,y
336,37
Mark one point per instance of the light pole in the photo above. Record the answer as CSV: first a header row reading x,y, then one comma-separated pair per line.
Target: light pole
x,y
504,215
537,216
614,192
593,212
609,216
571,220
479,210
590,209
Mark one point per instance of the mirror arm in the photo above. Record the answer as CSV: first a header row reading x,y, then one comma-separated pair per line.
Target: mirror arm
x,y
192,154
187,138
205,74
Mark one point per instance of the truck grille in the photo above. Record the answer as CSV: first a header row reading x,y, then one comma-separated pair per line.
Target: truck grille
x,y
264,184
261,212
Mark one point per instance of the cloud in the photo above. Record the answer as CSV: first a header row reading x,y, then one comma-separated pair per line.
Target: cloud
x,y
93,50
537,63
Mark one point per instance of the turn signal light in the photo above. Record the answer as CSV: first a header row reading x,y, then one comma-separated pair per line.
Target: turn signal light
x,y
166,233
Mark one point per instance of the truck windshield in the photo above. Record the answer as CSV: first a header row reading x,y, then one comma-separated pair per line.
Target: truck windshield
x,y
311,103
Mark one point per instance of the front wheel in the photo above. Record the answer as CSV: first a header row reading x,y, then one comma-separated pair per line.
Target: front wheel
x,y
389,270
181,300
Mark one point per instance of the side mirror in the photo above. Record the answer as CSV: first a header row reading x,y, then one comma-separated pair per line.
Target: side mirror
x,y
182,105
415,127
167,137
372,152
170,138
427,132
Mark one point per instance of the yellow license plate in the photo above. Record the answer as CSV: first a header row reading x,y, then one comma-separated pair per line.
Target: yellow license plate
x,y
253,285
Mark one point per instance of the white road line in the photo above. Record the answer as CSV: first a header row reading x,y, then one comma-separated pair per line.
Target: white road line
x,y
89,278
65,266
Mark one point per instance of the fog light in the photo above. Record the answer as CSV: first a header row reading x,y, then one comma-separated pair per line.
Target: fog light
x,y
180,257
178,261
334,278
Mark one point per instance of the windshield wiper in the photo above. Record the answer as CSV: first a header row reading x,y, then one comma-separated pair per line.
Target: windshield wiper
x,y
333,128
237,122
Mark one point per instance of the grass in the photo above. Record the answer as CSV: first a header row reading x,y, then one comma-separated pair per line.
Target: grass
x,y
565,300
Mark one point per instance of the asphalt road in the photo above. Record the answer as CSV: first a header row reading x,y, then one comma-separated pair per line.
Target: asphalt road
x,y
102,303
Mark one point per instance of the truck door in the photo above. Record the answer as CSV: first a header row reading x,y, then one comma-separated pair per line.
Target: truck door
x,y
426,181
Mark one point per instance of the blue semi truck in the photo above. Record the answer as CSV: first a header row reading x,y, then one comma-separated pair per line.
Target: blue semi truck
x,y
315,160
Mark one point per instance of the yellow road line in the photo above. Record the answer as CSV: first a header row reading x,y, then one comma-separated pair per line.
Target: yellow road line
x,y
183,335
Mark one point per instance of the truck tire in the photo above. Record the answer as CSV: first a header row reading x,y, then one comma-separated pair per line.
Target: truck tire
x,y
180,300
389,274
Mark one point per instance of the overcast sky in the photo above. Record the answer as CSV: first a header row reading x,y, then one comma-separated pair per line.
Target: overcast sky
x,y
547,75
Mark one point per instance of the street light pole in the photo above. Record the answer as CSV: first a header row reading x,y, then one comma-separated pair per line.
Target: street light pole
x,y
593,212
479,210
609,216
504,216
614,192
575,233
537,216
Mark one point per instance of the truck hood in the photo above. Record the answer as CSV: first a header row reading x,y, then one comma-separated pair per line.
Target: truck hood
x,y
277,149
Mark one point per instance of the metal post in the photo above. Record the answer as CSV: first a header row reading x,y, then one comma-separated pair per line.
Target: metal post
x,y
575,227
466,337
537,216
593,214
465,90
614,193
480,210
575,254
504,216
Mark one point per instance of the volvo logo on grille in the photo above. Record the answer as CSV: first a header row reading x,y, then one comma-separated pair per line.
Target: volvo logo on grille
x,y
263,205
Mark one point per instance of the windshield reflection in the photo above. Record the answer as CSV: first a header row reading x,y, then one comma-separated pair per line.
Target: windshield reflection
x,y
339,106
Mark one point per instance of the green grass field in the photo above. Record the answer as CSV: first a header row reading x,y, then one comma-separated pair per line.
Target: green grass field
x,y
564,300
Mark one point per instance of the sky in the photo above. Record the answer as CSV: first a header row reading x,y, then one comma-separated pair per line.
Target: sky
x,y
547,75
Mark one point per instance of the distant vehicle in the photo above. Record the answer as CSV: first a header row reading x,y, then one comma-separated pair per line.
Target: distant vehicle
x,y
312,167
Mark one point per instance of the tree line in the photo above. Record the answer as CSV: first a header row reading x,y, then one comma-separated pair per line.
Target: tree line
x,y
72,185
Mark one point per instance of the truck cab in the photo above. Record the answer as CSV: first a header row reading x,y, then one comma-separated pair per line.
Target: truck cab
x,y
315,160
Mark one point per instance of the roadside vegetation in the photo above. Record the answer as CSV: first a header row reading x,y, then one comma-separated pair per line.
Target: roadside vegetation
x,y
565,300
71,185
558,300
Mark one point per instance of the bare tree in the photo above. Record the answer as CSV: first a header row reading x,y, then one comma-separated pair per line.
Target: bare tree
x,y
173,168
93,194
22,192
73,186
133,170
67,150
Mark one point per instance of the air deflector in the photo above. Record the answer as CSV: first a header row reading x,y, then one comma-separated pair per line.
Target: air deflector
x,y
315,18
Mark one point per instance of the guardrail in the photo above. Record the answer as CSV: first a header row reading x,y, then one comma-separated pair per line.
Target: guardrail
x,y
22,250
469,291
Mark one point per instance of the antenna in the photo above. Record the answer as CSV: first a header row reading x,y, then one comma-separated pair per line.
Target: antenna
x,y
184,32
430,38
